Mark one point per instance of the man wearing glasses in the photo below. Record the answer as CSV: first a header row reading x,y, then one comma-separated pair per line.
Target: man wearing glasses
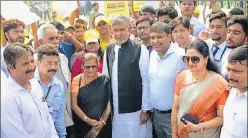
x,y
53,89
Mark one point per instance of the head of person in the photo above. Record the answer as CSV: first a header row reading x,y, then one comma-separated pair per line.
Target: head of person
x,y
102,26
197,57
143,28
187,7
69,28
237,31
236,11
180,27
120,30
95,6
48,34
79,33
90,64
48,60
60,27
91,39
81,21
237,67
13,30
19,59
166,14
218,25
147,12
132,27
160,35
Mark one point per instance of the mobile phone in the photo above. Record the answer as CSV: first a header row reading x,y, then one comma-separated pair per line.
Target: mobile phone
x,y
189,118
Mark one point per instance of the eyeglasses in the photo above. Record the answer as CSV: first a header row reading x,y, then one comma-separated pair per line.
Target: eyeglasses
x,y
90,67
193,59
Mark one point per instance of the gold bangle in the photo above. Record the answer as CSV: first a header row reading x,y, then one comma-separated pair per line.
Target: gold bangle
x,y
103,122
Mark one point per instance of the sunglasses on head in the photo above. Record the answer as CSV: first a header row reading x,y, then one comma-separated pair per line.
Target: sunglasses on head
x,y
92,67
193,59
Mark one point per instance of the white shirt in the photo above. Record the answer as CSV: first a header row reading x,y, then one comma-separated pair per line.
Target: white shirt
x,y
128,124
235,116
162,76
24,114
4,83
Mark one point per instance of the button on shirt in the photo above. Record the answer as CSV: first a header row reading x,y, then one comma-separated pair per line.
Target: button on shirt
x,y
235,116
162,73
56,102
24,114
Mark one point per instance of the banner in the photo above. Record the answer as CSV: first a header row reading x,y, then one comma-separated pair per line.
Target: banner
x,y
137,5
62,9
19,10
113,8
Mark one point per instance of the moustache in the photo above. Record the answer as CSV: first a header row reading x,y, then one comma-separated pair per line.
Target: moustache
x,y
231,79
30,71
52,70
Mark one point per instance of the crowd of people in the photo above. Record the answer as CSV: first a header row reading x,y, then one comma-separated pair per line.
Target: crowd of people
x,y
157,75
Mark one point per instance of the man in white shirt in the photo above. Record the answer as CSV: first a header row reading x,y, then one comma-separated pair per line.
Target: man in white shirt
x,y
235,110
187,9
24,114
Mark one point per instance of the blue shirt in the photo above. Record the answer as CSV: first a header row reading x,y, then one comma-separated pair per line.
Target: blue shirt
x,y
67,48
56,102
24,114
162,73
198,26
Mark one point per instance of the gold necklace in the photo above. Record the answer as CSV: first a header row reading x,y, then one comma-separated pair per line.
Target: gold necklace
x,y
194,79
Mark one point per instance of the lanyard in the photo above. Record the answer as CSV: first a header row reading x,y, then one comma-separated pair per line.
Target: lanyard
x,y
220,55
48,91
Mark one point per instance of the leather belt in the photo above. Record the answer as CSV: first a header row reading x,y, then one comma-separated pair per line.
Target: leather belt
x,y
164,112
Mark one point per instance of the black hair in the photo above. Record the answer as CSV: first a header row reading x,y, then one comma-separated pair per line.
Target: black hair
x,y
160,27
180,20
202,47
143,20
239,54
193,1
94,4
217,14
240,19
236,11
59,26
148,9
169,11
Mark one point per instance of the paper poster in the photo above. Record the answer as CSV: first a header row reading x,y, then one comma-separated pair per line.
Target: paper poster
x,y
19,10
137,5
113,8
63,8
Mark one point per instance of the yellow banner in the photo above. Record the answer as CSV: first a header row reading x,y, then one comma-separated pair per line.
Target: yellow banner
x,y
137,5
113,8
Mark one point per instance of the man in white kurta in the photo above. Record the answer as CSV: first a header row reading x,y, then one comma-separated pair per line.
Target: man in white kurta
x,y
128,125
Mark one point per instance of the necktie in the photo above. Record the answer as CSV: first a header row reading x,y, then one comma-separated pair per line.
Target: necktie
x,y
216,50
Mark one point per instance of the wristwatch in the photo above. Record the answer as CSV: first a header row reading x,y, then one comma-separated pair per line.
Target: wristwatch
x,y
85,117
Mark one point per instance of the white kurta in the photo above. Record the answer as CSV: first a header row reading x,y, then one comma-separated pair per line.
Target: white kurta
x,y
128,125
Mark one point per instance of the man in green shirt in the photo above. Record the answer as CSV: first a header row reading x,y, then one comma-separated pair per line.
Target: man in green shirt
x,y
95,8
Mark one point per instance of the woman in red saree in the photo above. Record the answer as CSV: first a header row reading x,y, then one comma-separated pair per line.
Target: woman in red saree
x,y
201,92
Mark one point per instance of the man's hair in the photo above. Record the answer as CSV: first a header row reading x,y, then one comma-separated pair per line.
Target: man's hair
x,y
190,1
120,19
169,11
94,4
236,11
239,54
143,20
160,27
179,20
12,24
42,29
218,14
14,51
148,9
58,25
240,19
47,50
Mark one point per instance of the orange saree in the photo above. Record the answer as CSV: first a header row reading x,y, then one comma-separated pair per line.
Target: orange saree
x,y
200,100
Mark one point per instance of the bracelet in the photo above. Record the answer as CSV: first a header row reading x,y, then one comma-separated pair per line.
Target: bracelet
x,y
201,126
85,117
103,122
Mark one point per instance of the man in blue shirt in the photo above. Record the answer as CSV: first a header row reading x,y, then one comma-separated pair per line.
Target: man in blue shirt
x,y
165,64
53,89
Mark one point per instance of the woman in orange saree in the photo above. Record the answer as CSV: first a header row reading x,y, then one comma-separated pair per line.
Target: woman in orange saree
x,y
199,92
